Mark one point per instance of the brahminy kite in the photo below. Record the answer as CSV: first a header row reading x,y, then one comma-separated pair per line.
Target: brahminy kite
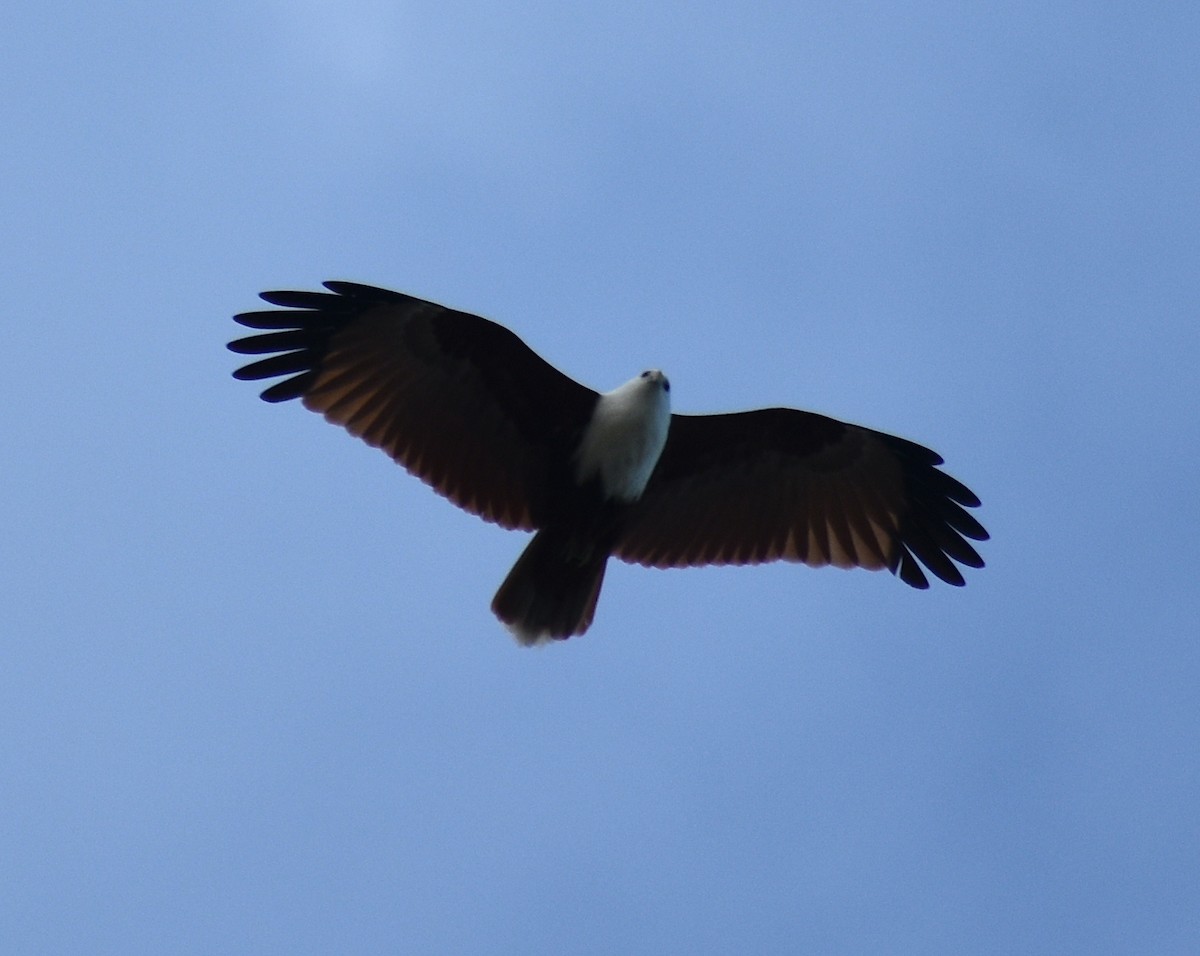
x,y
468,408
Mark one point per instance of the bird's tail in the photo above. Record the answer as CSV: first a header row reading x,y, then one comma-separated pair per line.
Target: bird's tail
x,y
552,590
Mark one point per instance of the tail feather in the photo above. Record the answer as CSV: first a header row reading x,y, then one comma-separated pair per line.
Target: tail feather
x,y
551,591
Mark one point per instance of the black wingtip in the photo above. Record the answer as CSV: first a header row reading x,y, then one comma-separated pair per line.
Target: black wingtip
x,y
937,528
294,338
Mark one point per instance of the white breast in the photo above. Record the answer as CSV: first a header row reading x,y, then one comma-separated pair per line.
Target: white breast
x,y
626,436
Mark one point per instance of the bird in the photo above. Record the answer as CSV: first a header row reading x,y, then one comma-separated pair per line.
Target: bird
x,y
466,406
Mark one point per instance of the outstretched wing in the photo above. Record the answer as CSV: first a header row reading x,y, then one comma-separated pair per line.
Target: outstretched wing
x,y
459,401
778,483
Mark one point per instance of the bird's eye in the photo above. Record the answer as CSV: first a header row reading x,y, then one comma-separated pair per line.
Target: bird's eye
x,y
666,385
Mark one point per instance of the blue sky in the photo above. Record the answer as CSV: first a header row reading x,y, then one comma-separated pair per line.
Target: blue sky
x,y
251,695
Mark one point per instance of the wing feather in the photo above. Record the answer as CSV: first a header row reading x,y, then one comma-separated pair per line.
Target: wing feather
x,y
782,484
459,401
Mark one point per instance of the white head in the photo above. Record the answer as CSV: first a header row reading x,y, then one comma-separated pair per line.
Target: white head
x,y
626,435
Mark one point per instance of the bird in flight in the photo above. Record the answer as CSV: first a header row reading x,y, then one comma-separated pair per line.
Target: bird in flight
x,y
467,407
